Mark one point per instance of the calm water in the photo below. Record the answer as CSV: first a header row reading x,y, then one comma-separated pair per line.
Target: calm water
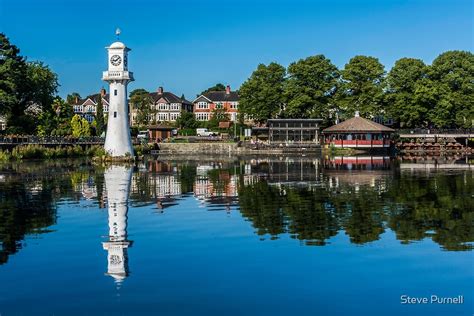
x,y
279,236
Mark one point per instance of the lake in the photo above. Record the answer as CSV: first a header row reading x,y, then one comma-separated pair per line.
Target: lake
x,y
251,236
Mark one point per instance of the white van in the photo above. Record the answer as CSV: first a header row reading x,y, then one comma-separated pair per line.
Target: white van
x,y
143,136
204,132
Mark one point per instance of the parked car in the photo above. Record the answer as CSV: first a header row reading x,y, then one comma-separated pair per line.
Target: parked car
x,y
143,136
205,132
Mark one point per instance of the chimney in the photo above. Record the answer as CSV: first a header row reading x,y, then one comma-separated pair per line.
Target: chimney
x,y
103,92
77,100
160,90
227,89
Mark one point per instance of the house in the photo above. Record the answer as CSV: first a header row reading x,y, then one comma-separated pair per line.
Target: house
x,y
206,103
358,132
87,107
165,107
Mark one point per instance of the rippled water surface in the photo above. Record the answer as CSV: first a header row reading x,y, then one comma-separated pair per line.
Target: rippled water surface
x,y
276,236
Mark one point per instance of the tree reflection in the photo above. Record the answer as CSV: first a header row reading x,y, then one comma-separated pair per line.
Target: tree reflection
x,y
28,196
362,205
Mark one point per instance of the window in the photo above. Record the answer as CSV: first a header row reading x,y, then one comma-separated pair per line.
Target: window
x,y
202,105
219,105
115,92
202,116
234,105
174,106
162,106
174,116
115,114
163,117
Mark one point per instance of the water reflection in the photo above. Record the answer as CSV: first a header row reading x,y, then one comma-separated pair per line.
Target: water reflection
x,y
117,183
309,199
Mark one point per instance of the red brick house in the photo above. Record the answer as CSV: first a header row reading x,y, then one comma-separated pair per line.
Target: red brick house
x,y
206,103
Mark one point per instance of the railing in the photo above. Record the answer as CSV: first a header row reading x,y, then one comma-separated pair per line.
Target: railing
x,y
457,131
59,140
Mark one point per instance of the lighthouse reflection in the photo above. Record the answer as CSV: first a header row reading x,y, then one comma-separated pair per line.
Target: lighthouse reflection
x,y
117,183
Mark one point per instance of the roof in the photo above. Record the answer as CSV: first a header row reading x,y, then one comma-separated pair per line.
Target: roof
x,y
221,96
295,120
169,97
161,127
358,124
93,97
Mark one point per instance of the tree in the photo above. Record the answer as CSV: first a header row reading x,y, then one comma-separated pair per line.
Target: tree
x,y
403,84
311,86
217,116
362,87
64,114
141,101
451,76
13,78
71,98
186,120
80,126
217,87
56,121
99,118
23,85
43,85
261,96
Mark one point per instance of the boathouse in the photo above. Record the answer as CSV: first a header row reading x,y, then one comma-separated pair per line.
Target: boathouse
x,y
358,132
293,130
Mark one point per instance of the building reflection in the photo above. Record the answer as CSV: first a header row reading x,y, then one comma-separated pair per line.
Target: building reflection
x,y
313,199
117,184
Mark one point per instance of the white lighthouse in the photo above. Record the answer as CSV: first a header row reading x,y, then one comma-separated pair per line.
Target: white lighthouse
x,y
117,184
117,140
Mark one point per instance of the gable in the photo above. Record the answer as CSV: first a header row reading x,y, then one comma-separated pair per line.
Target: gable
x,y
202,98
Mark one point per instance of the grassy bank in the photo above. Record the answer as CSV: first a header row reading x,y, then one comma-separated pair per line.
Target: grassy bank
x,y
24,152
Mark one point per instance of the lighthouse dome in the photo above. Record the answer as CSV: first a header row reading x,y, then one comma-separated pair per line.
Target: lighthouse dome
x,y
117,45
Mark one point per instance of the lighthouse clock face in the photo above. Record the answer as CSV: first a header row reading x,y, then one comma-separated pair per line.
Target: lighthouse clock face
x,y
115,60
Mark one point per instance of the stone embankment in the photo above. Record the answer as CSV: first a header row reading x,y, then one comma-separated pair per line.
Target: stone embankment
x,y
228,149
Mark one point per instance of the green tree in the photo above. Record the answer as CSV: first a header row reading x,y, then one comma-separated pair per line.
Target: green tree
x,y
71,98
261,96
23,85
452,78
141,101
217,116
186,120
311,86
80,127
64,114
13,85
362,87
43,85
404,82
217,87
99,118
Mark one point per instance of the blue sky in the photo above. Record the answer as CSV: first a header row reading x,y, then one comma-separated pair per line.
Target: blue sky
x,y
187,46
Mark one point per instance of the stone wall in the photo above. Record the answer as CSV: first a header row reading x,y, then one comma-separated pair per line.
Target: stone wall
x,y
221,149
